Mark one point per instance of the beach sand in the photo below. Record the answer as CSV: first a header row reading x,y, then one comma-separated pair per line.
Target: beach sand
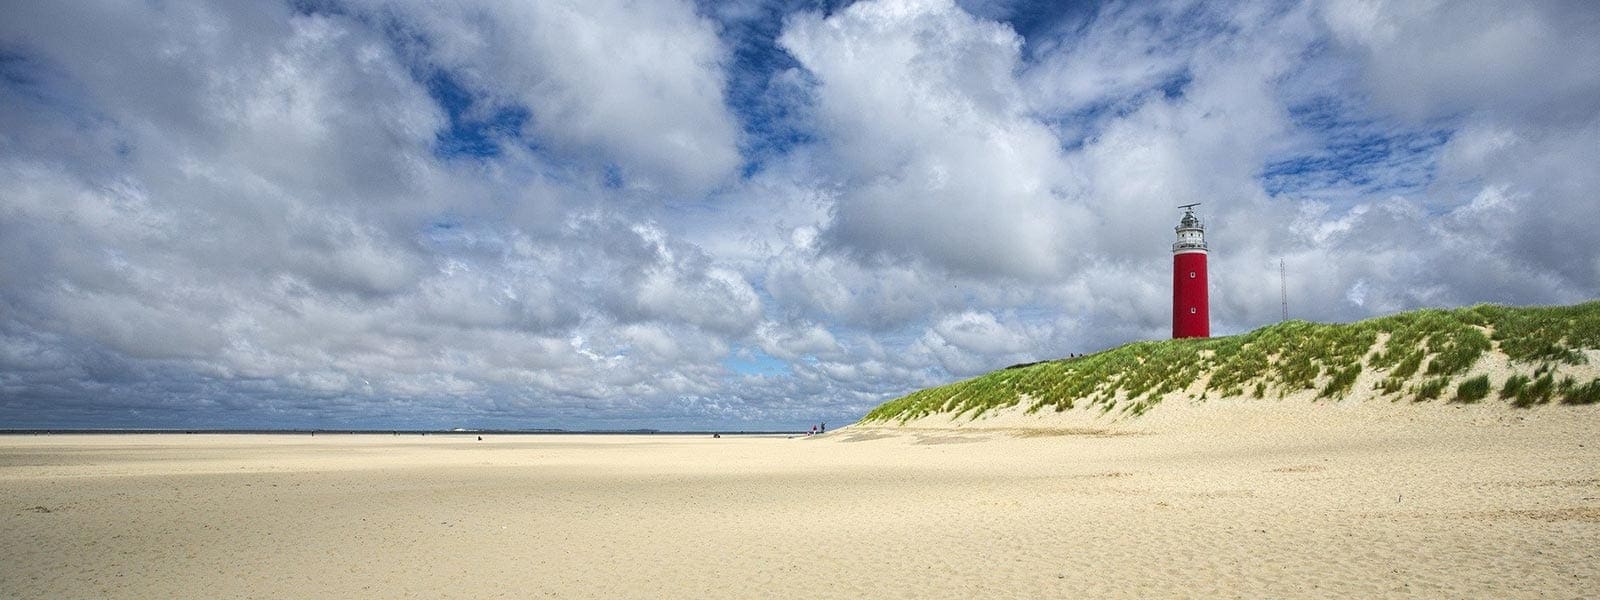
x,y
1226,499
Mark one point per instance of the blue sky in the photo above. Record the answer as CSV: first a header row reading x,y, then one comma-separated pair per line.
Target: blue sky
x,y
366,213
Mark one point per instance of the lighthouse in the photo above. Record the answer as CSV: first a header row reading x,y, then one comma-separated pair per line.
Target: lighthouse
x,y
1191,315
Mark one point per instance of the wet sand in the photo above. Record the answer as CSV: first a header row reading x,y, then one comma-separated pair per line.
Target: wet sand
x,y
1227,500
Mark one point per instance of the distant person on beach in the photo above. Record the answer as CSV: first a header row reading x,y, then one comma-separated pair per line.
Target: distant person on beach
x,y
823,428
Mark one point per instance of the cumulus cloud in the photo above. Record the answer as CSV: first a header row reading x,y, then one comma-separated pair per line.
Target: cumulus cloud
x,y
1426,59
634,85
790,341
936,158
293,228
604,214
965,343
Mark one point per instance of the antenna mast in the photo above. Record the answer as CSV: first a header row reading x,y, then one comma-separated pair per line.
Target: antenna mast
x,y
1283,288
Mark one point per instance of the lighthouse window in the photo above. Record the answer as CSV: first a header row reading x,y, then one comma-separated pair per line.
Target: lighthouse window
x,y
1191,274
1192,310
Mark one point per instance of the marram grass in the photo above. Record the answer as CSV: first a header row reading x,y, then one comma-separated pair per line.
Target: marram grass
x,y
1416,355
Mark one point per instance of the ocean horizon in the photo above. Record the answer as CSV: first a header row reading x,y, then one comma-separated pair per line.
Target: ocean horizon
x,y
303,431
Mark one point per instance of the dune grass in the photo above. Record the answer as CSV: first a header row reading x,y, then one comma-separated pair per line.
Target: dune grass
x,y
1416,354
1537,391
1472,390
1588,393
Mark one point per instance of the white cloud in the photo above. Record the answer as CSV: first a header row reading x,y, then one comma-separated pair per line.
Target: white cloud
x,y
1429,59
979,332
637,85
247,214
971,343
791,341
935,156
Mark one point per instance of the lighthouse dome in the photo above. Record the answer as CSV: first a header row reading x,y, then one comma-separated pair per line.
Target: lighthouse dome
x,y
1191,234
1189,221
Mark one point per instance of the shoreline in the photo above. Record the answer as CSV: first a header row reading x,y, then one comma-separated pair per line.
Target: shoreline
x,y
389,432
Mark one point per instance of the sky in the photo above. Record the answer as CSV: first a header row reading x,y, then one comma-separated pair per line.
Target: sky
x,y
741,214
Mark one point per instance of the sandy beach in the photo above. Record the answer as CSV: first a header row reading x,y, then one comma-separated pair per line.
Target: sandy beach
x,y
1264,499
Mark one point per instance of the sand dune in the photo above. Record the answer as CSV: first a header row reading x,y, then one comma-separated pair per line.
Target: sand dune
x,y
1216,500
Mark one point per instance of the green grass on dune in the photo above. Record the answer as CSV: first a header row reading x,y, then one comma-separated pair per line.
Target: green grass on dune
x,y
1472,390
1421,354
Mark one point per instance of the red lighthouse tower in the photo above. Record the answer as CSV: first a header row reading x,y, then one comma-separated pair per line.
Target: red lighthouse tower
x,y
1191,315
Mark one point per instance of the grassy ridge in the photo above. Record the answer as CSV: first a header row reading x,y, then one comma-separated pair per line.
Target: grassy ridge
x,y
1420,355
